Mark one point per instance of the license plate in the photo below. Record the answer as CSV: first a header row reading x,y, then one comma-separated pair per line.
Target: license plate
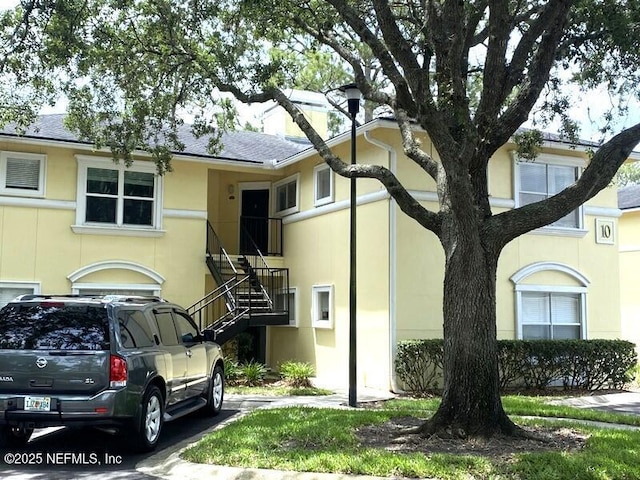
x,y
37,404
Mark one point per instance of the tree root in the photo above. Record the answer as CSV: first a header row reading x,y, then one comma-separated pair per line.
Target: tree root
x,y
437,427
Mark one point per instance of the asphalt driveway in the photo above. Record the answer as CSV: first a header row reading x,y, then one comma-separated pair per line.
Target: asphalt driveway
x,y
62,454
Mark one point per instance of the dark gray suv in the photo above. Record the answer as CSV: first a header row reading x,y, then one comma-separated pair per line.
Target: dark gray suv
x,y
109,361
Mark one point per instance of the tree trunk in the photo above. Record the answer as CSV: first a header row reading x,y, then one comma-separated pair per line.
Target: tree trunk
x,y
471,404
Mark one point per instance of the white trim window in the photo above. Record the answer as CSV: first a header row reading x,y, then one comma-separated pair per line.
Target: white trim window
x,y
322,185
292,295
22,174
287,195
152,287
545,177
551,315
113,196
322,306
550,311
10,290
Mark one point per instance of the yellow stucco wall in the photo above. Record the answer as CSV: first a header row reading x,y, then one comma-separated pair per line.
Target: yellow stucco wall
x,y
629,231
39,245
421,262
224,199
317,253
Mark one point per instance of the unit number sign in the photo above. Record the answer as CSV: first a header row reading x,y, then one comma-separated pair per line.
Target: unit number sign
x,y
605,232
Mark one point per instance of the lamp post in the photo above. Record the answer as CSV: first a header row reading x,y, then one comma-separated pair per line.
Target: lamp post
x,y
353,95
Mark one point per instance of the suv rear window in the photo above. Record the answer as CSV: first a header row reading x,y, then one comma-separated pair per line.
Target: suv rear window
x,y
53,327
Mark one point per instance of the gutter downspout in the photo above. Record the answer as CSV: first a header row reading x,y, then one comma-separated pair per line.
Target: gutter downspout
x,y
393,261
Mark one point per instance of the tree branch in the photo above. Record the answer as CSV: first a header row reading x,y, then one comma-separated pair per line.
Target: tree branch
x,y
401,50
412,146
538,75
509,225
353,19
406,202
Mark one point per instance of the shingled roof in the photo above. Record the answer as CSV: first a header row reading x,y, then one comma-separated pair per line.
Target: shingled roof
x,y
240,146
629,197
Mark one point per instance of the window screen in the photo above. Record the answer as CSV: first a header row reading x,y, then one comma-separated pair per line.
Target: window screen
x,y
23,173
539,181
9,293
551,315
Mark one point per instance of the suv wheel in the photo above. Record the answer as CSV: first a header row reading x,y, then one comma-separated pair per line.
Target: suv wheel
x,y
147,434
215,392
14,437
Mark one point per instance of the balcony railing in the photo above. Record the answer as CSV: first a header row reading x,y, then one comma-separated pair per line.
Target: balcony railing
x,y
263,234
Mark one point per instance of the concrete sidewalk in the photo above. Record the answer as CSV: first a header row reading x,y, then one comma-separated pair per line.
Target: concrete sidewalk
x,y
626,402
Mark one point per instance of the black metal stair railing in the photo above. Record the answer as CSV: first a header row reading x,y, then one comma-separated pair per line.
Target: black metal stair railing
x,y
218,260
214,312
268,281
262,232
245,291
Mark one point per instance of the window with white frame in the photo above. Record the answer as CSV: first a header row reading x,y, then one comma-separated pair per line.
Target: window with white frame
x,y
286,300
322,306
287,193
539,180
551,315
322,185
22,174
550,311
112,195
10,290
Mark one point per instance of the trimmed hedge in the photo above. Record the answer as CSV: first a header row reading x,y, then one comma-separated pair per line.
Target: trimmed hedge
x,y
531,364
419,365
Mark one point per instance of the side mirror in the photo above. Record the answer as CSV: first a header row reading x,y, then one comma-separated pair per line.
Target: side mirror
x,y
209,336
187,338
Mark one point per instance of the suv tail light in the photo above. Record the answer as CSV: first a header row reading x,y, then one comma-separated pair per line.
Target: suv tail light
x,y
117,372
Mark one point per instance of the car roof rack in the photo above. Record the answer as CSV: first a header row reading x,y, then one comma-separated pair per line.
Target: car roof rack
x,y
132,298
37,296
98,297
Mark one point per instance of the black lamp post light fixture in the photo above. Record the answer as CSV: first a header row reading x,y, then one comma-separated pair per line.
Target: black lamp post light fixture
x,y
353,95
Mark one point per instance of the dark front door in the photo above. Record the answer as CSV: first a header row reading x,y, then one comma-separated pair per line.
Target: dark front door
x,y
254,222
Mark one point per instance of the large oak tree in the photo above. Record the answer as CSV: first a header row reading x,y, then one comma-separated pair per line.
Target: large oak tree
x,y
468,72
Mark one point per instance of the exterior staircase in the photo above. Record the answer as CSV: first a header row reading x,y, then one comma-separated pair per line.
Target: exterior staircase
x,y
249,292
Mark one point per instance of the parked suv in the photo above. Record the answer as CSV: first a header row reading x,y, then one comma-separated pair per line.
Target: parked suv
x,y
110,361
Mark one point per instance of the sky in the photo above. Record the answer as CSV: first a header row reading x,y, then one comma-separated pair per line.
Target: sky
x,y
591,105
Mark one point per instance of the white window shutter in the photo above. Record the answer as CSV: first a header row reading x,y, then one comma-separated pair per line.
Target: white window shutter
x,y
23,173
7,294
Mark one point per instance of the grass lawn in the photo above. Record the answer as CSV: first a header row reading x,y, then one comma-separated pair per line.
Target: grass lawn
x,y
324,440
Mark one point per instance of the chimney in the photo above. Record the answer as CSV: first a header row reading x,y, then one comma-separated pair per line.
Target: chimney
x,y
314,106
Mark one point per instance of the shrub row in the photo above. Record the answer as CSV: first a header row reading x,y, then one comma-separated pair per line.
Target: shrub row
x,y
529,364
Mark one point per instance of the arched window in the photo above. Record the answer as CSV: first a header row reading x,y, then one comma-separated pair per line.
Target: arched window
x,y
550,302
148,282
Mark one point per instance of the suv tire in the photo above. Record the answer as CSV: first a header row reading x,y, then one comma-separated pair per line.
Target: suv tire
x,y
14,437
215,392
145,437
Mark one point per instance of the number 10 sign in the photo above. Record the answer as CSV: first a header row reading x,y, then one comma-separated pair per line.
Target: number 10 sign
x,y
605,232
